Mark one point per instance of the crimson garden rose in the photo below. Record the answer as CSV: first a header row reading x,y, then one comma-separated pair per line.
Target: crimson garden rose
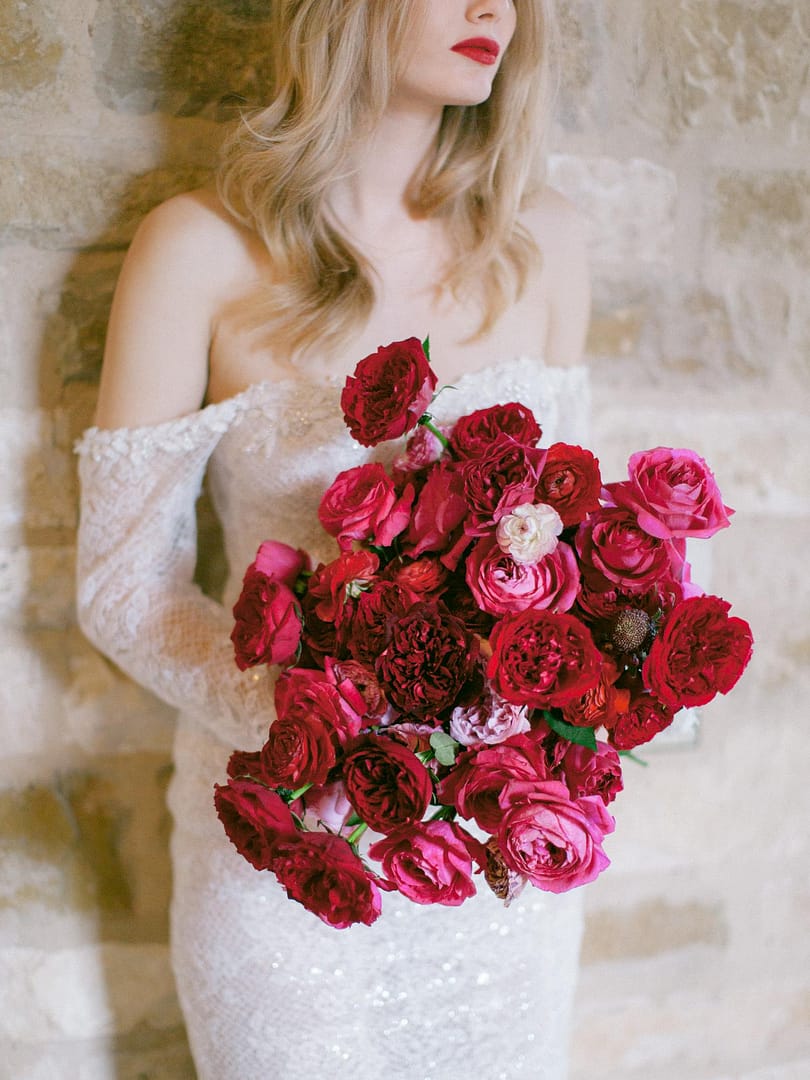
x,y
615,551
587,773
430,656
362,504
553,840
475,433
389,391
430,862
700,651
542,659
386,784
641,721
673,493
438,517
322,872
255,819
267,622
307,695
374,615
299,750
503,477
570,482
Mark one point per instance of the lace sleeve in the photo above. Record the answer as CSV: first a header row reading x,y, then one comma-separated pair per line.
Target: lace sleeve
x,y
136,554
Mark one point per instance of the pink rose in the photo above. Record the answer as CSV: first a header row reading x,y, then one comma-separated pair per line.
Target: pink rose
x,y
430,862
673,493
615,551
501,586
322,872
281,562
587,773
553,840
362,504
422,450
326,807
255,819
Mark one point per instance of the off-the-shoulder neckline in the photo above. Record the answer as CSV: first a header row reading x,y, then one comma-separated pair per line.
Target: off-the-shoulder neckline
x,y
244,399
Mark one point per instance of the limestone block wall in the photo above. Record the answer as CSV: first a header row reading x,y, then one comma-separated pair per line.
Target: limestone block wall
x,y
682,131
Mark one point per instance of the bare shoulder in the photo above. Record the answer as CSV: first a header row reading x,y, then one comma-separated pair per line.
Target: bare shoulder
x,y
186,258
560,230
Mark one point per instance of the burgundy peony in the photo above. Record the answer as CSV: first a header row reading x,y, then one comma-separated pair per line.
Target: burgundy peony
x,y
429,658
386,783
673,493
503,477
550,838
389,391
430,862
362,504
700,651
500,585
542,659
255,819
322,872
374,616
570,482
475,433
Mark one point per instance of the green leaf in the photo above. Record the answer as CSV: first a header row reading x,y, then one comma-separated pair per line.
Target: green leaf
x,y
445,747
426,346
579,735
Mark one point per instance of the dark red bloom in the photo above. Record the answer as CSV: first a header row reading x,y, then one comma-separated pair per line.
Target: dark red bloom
x,y
385,782
641,721
255,819
503,477
389,391
570,482
322,872
475,433
374,616
267,627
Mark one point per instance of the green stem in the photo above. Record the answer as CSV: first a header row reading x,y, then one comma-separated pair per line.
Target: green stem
x,y
301,791
355,834
426,422
444,813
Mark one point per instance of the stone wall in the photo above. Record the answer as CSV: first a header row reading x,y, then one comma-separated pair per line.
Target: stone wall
x,y
682,133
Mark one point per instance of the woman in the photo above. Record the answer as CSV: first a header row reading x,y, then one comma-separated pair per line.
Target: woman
x,y
380,195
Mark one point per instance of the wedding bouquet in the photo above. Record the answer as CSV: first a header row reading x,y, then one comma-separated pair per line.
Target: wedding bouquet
x,y
497,628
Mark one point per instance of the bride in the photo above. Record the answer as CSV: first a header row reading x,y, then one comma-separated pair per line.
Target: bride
x,y
383,193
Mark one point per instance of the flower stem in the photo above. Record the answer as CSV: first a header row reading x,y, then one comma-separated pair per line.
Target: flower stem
x,y
444,813
301,791
426,421
355,834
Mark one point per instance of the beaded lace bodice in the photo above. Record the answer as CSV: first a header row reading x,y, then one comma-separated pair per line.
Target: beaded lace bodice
x,y
273,450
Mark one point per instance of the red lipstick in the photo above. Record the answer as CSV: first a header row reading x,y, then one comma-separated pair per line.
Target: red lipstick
x,y
482,50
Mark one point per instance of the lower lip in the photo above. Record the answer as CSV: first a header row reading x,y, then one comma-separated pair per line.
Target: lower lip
x,y
481,56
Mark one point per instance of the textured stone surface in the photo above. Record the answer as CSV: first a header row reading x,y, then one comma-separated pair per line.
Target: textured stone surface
x,y
159,55
767,214
651,928
32,47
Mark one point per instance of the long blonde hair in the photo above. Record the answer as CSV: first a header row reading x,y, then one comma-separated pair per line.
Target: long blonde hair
x,y
334,64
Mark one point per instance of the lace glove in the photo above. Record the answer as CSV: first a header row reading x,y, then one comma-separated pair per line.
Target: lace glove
x,y
136,554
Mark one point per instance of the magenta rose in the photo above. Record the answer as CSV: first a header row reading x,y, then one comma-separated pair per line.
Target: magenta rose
x,y
587,773
615,551
542,659
267,627
570,482
281,562
427,661
256,820
310,695
389,391
641,721
673,493
503,477
438,517
700,651
422,450
550,838
385,782
362,504
473,435
430,862
500,585
474,785
322,872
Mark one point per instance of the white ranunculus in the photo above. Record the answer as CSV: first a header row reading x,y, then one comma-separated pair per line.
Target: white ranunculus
x,y
529,532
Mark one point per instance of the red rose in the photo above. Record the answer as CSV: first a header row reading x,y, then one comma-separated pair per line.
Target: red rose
x,y
644,717
386,783
601,705
428,660
615,551
388,393
552,839
374,616
474,434
299,750
424,577
367,685
255,819
438,517
542,659
312,695
328,586
587,773
430,862
699,652
503,477
267,629
362,504
500,585
322,872
476,781
570,482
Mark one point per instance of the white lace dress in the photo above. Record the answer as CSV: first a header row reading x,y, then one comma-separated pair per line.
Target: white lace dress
x,y
268,991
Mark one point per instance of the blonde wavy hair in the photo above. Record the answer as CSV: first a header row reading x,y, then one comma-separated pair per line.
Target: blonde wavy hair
x,y
334,64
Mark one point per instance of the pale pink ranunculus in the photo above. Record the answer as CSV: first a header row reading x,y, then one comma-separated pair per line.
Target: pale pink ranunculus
x,y
430,862
362,504
281,562
488,721
529,532
502,586
553,840
673,493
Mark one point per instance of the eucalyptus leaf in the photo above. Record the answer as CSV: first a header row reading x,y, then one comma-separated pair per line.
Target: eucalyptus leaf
x,y
445,747
579,735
